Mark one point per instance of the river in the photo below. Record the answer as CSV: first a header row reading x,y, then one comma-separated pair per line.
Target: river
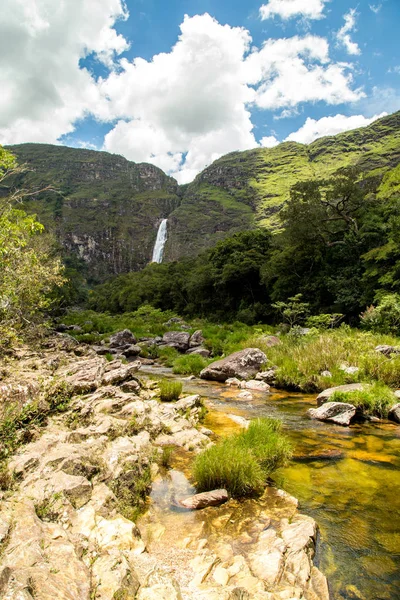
x,y
347,479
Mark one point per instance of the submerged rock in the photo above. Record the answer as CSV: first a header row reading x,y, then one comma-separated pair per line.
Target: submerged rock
x,y
243,364
394,413
199,501
339,413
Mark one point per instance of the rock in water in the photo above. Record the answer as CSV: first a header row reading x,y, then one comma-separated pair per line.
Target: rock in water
x,y
214,498
351,387
243,364
334,412
394,413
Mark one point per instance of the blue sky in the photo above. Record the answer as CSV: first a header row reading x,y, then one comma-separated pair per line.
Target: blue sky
x,y
180,83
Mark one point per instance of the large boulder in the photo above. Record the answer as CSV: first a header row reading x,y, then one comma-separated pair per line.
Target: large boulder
x,y
339,413
196,339
351,387
122,339
177,339
394,413
243,364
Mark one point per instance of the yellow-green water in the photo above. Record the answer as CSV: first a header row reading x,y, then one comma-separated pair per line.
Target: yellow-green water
x,y
354,496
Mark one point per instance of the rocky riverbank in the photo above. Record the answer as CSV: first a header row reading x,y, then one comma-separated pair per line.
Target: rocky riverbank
x,y
68,518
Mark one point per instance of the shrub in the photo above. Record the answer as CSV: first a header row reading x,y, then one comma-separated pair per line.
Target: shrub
x,y
190,364
384,318
242,462
170,390
374,400
168,356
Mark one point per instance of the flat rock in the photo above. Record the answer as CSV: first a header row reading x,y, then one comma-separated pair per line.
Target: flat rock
x,y
351,387
243,364
199,501
339,413
257,386
394,413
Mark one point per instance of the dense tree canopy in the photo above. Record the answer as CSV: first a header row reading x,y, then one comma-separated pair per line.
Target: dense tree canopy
x,y
339,247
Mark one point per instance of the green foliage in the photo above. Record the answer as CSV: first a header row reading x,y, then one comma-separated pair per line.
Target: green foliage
x,y
132,488
376,400
166,456
324,321
241,463
385,317
28,270
293,311
190,364
170,390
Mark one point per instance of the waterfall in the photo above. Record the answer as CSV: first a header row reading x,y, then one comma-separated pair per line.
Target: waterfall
x,y
160,242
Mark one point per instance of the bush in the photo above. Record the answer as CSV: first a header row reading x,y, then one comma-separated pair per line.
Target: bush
x,y
170,390
374,400
384,318
242,462
190,364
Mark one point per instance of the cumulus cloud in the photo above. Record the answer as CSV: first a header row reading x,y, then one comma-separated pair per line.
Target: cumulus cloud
x,y
298,69
287,9
269,141
180,110
312,129
343,35
43,89
189,104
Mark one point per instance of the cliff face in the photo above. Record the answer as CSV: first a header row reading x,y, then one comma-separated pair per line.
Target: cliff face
x,y
108,209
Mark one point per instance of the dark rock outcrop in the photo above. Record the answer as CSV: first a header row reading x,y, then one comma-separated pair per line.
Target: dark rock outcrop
x,y
177,339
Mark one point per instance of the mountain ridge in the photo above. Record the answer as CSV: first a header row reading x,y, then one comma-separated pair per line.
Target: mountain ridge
x,y
109,209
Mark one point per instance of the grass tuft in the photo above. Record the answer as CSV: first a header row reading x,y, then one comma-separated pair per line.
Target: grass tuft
x,y
375,400
241,463
170,390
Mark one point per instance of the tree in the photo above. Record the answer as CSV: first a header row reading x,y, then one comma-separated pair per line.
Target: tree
x,y
294,311
28,269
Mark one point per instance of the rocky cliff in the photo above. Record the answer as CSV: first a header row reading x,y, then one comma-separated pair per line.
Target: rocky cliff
x,y
108,209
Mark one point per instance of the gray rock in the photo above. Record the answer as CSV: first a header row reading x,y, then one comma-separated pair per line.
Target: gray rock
x,y
132,351
199,501
349,370
267,376
244,364
326,374
387,350
339,413
199,351
122,338
257,386
394,413
177,339
196,339
397,394
351,387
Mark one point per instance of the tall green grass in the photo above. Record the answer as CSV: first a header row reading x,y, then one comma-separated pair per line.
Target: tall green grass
x,y
242,462
190,364
170,390
376,400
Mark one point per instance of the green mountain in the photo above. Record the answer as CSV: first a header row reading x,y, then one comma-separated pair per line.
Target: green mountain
x,y
107,210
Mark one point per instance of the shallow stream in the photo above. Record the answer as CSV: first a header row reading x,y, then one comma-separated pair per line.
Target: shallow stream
x,y
347,479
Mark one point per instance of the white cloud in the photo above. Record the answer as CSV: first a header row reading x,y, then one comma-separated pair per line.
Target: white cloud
x,y
43,89
287,9
295,70
189,103
269,141
375,8
180,110
343,35
312,129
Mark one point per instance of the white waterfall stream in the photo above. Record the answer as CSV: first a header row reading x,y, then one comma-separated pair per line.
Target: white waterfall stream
x,y
158,251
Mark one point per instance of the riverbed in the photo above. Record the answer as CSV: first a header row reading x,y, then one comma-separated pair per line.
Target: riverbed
x,y
346,478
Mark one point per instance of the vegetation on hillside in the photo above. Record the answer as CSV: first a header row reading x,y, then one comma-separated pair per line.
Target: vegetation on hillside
x,y
339,248
29,270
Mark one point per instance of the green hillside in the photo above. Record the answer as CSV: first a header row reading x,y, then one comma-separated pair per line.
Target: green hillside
x,y
108,209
